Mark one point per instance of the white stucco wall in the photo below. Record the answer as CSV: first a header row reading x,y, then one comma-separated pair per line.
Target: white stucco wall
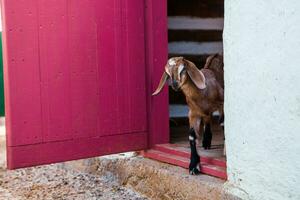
x,y
262,103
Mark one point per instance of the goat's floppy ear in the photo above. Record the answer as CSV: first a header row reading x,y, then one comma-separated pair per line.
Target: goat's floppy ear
x,y
195,74
161,84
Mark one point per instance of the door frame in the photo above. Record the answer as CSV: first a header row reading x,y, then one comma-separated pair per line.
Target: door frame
x,y
156,42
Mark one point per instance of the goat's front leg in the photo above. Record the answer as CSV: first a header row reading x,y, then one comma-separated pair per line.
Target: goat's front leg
x,y
195,158
193,134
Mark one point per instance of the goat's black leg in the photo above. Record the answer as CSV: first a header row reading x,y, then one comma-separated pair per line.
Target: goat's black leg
x,y
221,120
207,137
195,158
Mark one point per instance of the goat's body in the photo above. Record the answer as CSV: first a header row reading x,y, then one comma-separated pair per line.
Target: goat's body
x,y
204,92
202,103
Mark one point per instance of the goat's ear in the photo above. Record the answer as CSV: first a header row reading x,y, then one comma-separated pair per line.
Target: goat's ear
x,y
161,84
195,74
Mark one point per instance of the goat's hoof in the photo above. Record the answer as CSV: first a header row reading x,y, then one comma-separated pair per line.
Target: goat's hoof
x,y
194,171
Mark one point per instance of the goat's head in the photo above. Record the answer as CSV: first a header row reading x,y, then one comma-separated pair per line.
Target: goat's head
x,y
177,71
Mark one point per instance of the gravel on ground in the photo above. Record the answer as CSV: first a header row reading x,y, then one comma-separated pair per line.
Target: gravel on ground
x,y
56,182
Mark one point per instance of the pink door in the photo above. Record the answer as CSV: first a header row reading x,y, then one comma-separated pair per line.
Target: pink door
x,y
79,76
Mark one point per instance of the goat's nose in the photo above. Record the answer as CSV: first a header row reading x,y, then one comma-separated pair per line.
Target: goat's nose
x,y
175,84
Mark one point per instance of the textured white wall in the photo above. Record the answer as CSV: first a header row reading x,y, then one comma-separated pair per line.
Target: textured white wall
x,y
262,103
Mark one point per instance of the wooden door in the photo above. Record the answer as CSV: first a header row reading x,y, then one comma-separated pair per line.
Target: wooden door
x,y
79,76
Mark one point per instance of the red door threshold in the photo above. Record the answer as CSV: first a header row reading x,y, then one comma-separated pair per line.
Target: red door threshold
x,y
177,155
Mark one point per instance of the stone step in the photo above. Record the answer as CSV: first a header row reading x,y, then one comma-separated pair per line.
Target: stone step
x,y
195,48
203,8
181,111
195,29
178,110
194,35
195,23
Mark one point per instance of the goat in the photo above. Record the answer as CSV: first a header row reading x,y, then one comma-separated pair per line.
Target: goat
x,y
204,92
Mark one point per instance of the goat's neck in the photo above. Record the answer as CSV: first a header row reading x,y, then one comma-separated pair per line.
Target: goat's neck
x,y
190,91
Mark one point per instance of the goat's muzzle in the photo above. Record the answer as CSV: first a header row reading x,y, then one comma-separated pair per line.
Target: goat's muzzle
x,y
175,85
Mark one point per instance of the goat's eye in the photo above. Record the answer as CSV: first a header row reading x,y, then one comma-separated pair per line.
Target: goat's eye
x,y
182,72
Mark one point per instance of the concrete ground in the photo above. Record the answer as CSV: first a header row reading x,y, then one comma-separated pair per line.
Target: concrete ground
x,y
121,176
58,181
154,179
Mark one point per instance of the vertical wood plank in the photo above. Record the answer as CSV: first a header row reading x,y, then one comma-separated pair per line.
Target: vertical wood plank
x,y
55,73
121,57
136,57
84,68
107,67
156,58
21,72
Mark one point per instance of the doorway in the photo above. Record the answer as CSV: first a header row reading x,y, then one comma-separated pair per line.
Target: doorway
x,y
195,32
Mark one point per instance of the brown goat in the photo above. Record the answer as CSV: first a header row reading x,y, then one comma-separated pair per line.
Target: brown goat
x,y
204,92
